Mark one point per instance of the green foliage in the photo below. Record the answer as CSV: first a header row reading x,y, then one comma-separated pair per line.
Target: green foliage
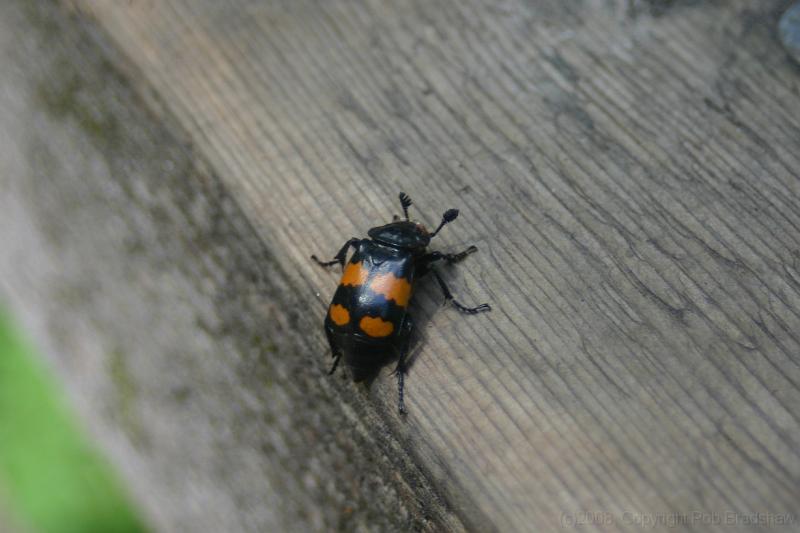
x,y
55,482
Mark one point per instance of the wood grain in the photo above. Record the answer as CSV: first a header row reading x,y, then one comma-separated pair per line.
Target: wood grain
x,y
628,171
164,315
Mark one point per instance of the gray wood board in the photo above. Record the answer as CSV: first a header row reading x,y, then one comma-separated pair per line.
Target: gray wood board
x,y
629,173
159,307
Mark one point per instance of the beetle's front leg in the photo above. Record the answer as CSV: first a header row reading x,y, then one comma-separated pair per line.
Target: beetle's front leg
x,y
455,258
427,261
340,256
448,297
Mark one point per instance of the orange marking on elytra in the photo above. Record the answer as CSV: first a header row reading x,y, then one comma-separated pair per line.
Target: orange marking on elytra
x,y
354,274
375,326
339,315
394,288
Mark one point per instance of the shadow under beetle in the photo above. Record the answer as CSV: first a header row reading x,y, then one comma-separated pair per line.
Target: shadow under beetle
x,y
368,319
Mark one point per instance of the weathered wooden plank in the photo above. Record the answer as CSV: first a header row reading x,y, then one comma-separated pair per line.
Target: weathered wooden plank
x,y
629,175
137,274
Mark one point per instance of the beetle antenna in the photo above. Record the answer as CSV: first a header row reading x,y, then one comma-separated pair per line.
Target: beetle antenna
x,y
449,216
406,202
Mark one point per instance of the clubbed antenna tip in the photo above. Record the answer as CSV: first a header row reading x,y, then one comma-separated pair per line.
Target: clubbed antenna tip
x,y
450,215
405,201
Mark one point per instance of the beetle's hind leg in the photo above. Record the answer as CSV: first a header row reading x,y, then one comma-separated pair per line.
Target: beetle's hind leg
x,y
339,257
335,363
448,297
335,352
401,369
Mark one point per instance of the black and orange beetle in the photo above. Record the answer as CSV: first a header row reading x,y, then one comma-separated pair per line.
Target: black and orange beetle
x,y
368,320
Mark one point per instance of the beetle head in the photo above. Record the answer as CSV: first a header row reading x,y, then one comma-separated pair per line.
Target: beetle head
x,y
409,234
402,234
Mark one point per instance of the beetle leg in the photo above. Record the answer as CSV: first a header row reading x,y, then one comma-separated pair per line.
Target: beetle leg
x,y
400,369
448,297
340,256
455,258
401,379
335,353
336,356
427,260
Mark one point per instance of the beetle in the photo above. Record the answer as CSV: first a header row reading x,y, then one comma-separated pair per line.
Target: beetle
x,y
368,320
